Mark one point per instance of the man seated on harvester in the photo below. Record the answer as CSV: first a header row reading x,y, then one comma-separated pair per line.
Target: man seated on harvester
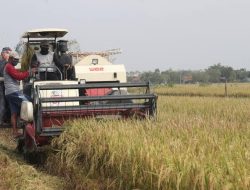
x,y
46,61
65,61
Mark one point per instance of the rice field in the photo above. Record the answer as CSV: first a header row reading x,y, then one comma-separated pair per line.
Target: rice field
x,y
208,90
194,143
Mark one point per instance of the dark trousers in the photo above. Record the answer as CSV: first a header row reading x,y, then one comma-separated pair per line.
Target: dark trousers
x,y
4,107
48,76
69,74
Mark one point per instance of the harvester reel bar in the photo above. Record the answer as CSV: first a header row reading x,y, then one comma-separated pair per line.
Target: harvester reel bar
x,y
96,107
94,85
97,98
57,103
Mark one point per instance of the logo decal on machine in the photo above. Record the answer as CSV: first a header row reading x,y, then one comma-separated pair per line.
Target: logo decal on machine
x,y
96,69
56,94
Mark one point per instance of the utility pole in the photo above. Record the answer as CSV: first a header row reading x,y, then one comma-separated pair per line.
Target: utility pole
x,y
180,77
225,80
226,87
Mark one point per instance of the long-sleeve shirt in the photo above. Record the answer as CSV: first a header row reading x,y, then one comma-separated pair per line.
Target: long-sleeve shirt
x,y
35,62
12,76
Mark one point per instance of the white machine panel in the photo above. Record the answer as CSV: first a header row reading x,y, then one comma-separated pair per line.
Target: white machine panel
x,y
58,93
97,68
101,72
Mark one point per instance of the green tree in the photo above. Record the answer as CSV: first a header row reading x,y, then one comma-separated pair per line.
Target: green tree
x,y
200,76
228,73
241,75
213,74
154,77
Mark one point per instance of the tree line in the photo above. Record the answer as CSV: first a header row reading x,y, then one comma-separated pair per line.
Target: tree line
x,y
214,74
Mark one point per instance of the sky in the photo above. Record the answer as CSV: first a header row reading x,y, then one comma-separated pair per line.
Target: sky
x,y
164,34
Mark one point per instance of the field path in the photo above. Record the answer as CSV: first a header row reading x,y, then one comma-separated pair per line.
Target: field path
x,y
17,174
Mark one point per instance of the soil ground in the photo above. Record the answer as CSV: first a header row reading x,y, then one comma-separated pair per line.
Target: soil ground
x,y
16,173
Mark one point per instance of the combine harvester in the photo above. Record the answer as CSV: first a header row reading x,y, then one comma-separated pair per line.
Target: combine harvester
x,y
99,90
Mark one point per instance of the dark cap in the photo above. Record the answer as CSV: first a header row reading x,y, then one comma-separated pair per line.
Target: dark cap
x,y
44,43
62,45
6,49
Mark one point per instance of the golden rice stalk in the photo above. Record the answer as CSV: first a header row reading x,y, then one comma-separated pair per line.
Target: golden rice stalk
x,y
26,58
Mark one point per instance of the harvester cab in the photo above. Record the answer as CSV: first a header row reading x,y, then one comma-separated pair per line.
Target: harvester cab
x,y
99,90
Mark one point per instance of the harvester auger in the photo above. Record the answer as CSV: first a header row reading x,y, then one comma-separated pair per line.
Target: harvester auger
x,y
100,91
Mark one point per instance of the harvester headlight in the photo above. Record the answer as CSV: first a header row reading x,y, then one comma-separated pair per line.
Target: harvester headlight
x,y
94,61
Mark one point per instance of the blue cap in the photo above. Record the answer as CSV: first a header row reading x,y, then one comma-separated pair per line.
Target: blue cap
x,y
6,49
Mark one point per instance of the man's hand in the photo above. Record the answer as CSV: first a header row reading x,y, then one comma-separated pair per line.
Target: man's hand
x,y
33,70
67,66
36,64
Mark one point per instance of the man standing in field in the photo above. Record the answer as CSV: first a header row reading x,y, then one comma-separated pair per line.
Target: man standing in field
x,y
14,96
4,109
